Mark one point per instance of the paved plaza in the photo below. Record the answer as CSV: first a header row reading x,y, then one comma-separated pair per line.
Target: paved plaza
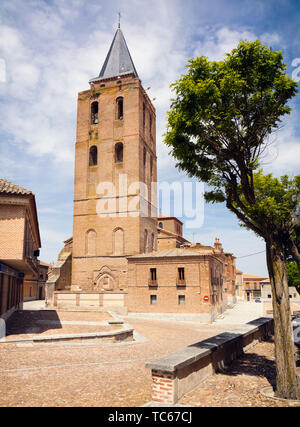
x,y
115,374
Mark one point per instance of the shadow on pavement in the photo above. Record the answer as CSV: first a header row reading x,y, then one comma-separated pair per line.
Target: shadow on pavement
x,y
24,322
252,364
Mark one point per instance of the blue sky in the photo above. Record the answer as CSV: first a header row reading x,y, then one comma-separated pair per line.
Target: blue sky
x,y
50,49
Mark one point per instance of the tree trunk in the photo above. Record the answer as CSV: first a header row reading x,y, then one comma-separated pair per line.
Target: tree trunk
x,y
287,382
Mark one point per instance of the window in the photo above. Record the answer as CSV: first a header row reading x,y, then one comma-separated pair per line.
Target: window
x,y
153,276
93,158
160,224
94,112
119,108
144,116
181,274
153,299
181,299
119,152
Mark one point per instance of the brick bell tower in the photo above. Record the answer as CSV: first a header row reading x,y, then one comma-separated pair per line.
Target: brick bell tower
x,y
115,168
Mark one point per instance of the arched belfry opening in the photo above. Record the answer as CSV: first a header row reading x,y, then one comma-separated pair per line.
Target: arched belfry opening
x,y
119,152
94,112
93,156
119,108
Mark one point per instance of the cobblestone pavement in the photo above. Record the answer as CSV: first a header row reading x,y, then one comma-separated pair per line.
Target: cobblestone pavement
x,y
115,375
91,375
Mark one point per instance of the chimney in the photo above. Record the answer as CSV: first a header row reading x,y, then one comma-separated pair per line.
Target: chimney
x,y
218,245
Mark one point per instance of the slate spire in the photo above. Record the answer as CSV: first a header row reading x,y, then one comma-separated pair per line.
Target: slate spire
x,y
118,61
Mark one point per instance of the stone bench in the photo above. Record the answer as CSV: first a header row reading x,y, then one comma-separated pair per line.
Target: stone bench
x,y
180,372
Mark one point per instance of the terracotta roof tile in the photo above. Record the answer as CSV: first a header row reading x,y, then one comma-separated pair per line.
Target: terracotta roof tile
x,y
252,276
10,188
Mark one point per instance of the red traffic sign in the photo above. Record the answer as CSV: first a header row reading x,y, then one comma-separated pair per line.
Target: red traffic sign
x,y
206,298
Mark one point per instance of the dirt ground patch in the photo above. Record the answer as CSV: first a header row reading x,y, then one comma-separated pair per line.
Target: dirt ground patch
x,y
239,384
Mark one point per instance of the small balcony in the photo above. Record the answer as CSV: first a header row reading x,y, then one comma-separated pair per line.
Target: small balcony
x,y
180,283
152,283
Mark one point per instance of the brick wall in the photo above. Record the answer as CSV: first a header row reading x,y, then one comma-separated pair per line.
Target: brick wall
x,y
122,232
163,387
12,223
169,292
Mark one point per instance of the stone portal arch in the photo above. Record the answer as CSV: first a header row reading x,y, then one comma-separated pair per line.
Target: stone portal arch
x,y
106,280
106,283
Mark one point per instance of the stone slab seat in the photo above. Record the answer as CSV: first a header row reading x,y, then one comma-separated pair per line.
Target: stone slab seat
x,y
188,355
184,369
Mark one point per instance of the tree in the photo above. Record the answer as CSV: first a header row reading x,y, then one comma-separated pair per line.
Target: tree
x,y
218,129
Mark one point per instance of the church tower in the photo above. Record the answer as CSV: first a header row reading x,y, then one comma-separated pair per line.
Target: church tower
x,y
115,171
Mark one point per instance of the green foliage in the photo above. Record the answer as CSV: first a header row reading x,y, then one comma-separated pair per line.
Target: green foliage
x,y
95,94
275,202
217,129
293,275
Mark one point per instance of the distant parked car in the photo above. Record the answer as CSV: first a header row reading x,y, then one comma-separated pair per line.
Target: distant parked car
x,y
296,331
257,300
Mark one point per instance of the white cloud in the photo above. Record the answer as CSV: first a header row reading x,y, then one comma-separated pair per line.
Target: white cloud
x,y
283,153
216,43
43,84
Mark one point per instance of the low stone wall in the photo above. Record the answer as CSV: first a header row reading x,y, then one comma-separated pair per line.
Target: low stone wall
x,y
89,301
122,335
180,372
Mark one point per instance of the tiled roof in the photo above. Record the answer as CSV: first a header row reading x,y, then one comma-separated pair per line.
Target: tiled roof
x,y
166,217
10,188
252,276
265,281
169,253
